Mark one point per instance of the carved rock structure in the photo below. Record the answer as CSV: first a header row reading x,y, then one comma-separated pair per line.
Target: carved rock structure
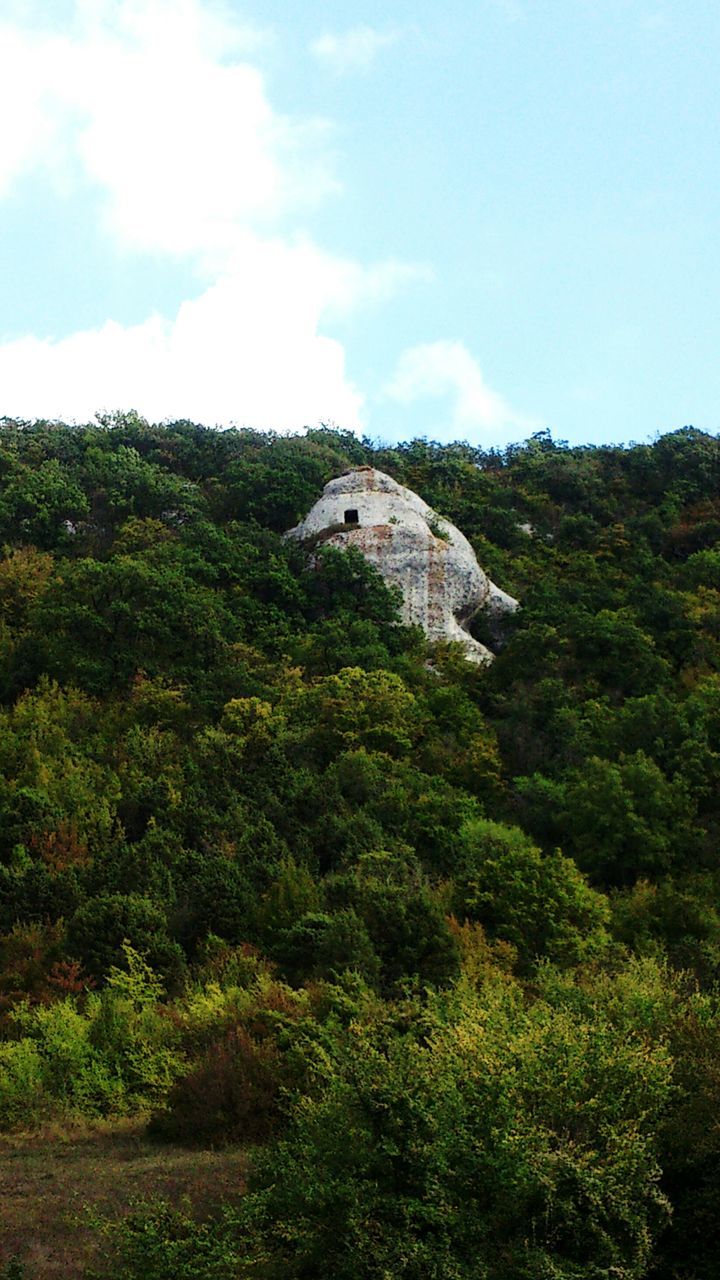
x,y
414,548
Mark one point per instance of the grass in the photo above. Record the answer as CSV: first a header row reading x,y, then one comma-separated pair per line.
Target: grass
x,y
48,1181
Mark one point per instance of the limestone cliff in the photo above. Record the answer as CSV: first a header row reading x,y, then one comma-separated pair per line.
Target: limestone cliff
x,y
415,549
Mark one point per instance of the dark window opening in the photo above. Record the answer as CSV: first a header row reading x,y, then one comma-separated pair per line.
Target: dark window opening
x,y
351,516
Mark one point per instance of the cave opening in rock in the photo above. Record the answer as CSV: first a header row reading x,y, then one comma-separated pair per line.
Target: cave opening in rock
x,y
351,516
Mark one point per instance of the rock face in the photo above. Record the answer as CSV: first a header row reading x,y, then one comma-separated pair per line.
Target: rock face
x,y
415,549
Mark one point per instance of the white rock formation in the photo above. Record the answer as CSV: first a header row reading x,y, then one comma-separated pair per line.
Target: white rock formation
x,y
415,549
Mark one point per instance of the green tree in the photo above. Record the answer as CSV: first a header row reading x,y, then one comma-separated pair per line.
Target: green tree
x,y
103,927
403,918
539,902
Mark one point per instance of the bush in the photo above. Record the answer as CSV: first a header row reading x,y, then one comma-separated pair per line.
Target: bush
x,y
255,1044
132,1033
231,1096
157,1242
112,1054
22,1085
489,1140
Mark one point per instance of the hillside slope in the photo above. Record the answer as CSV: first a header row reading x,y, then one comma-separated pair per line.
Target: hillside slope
x,y
254,833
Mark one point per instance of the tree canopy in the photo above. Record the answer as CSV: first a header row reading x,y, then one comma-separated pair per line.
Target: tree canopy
x,y
441,943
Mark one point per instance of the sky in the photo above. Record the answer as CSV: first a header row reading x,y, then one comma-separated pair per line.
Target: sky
x,y
468,221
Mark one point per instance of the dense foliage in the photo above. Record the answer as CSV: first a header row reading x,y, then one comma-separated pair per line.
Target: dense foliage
x,y
441,942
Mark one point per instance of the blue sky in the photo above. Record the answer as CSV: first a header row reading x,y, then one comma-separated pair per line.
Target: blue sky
x,y
467,221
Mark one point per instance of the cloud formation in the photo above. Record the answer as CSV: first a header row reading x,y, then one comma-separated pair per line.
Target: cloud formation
x,y
447,369
351,51
154,107
152,103
154,111
249,349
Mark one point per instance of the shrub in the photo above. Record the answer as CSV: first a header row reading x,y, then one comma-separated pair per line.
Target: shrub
x,y
231,1096
132,1033
488,1140
22,1085
253,1047
158,1242
113,1053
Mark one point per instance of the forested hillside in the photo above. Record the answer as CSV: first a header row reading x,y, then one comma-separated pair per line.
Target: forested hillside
x,y
438,943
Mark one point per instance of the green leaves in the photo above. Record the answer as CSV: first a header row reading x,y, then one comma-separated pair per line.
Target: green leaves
x,y
619,820
354,709
41,505
211,747
488,1139
538,902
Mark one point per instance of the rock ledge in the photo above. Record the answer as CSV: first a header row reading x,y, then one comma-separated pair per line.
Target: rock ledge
x,y
414,548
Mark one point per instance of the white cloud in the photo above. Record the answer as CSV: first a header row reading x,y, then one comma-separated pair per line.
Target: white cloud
x,y
441,369
29,125
353,50
152,102
153,105
249,349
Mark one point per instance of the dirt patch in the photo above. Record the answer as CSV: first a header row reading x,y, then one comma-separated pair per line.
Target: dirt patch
x,y
48,1183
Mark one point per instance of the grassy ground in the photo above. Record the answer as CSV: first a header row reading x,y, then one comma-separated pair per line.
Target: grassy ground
x,y
47,1181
